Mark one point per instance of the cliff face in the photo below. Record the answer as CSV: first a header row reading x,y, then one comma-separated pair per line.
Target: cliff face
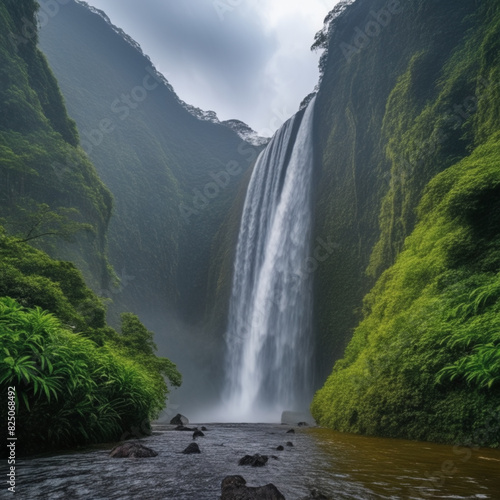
x,y
173,170
378,142
38,194
408,117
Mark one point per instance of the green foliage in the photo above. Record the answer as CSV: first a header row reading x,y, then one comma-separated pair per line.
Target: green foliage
x,y
139,344
69,390
401,110
40,221
425,361
41,164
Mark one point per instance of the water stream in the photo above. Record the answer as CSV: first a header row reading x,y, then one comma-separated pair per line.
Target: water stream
x,y
269,344
340,466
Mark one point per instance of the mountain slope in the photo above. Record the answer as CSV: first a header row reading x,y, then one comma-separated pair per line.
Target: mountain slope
x,y
173,176
159,161
36,139
416,125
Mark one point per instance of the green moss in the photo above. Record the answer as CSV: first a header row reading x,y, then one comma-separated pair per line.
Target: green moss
x,y
424,363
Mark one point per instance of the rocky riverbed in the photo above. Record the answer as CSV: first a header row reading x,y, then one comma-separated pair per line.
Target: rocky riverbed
x,y
337,466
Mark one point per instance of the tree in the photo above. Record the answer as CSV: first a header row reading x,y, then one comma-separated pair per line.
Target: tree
x,y
38,220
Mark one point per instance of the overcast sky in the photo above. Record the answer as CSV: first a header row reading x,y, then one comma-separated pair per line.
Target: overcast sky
x,y
244,59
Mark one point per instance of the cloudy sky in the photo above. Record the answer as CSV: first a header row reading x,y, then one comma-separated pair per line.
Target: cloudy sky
x,y
244,59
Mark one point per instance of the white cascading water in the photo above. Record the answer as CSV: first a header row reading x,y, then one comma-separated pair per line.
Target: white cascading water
x,y
269,345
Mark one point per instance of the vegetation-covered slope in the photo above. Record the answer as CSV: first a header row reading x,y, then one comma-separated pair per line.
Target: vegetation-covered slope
x,y
431,317
173,176
75,379
37,196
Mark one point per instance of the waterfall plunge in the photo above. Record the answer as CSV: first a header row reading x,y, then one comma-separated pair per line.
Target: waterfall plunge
x,y
269,345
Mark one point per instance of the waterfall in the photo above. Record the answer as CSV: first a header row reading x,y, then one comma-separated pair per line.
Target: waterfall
x,y
268,339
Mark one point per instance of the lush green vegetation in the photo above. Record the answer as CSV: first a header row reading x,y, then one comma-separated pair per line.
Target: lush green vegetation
x,y
69,390
78,381
41,163
424,362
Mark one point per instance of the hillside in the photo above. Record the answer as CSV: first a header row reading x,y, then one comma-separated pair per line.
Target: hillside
x,y
409,118
38,194
172,174
71,378
173,170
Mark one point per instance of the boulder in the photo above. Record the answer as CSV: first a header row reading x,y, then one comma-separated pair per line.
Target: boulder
x,y
203,428
289,443
294,417
179,420
132,450
290,431
235,488
302,424
198,434
255,460
280,448
192,448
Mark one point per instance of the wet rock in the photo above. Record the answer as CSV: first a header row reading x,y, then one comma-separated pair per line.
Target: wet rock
x,y
292,417
198,434
302,424
192,448
280,448
255,460
132,450
203,428
289,443
290,431
235,488
179,420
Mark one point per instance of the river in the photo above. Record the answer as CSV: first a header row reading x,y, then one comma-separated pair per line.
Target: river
x,y
341,466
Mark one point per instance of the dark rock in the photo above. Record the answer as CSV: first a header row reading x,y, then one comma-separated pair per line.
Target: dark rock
x,y
184,428
179,420
289,443
290,431
203,428
234,488
280,448
192,448
292,417
198,434
132,450
255,460
302,424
